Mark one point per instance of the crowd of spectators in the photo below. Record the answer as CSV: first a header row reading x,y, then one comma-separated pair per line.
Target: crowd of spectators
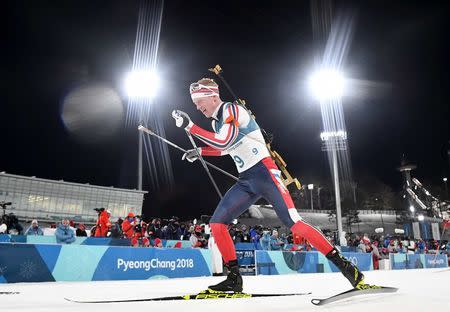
x,y
151,234
9,224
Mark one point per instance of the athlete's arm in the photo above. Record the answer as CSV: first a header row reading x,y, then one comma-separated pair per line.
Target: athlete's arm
x,y
227,134
211,151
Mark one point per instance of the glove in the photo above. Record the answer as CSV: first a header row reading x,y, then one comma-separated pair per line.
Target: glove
x,y
182,120
191,155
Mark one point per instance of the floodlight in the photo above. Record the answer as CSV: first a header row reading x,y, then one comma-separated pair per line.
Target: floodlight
x,y
327,84
143,84
411,208
420,217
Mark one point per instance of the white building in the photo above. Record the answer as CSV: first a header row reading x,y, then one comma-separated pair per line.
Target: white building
x,y
50,200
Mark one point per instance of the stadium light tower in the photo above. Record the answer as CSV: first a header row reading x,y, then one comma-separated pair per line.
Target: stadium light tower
x,y
446,189
311,187
328,86
141,85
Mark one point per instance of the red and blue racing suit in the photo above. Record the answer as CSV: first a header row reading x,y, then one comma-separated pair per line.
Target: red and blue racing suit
x,y
237,134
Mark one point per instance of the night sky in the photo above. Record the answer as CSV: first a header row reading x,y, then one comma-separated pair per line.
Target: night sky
x,y
399,50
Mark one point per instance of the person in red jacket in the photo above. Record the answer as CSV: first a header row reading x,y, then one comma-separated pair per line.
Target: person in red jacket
x,y
128,225
103,223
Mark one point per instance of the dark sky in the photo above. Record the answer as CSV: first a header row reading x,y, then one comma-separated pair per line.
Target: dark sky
x,y
267,50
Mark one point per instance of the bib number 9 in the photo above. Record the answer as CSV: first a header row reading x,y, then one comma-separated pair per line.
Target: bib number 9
x,y
255,151
238,160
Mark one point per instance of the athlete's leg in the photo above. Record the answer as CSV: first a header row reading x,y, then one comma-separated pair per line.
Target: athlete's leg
x,y
233,204
237,200
277,194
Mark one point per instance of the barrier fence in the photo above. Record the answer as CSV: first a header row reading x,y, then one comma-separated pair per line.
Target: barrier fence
x,y
290,262
418,261
46,263
92,259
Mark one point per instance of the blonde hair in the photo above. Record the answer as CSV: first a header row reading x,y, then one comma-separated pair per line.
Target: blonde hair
x,y
208,82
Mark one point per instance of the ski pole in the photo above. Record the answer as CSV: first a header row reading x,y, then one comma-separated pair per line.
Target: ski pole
x,y
204,163
150,132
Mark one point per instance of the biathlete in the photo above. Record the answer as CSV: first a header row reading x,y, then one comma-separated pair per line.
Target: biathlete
x,y
237,134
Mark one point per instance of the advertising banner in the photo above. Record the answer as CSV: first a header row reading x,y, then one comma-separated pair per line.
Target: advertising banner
x,y
289,262
245,257
418,261
44,263
435,231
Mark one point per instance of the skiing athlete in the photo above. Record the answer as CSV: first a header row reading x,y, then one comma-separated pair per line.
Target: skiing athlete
x,y
237,134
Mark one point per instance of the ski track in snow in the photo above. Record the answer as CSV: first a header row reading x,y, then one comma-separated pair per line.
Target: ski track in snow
x,y
420,290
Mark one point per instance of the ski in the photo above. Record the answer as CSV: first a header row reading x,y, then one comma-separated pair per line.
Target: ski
x,y
353,293
199,296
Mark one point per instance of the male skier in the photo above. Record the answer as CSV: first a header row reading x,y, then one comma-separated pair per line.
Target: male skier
x,y
237,134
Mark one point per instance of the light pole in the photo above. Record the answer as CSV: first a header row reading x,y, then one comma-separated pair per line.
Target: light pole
x,y
141,86
446,190
311,187
332,142
327,86
318,197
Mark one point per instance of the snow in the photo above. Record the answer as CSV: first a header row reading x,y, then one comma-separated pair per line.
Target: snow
x,y
420,290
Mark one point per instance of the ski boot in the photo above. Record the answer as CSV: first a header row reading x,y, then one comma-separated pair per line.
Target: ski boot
x,y
233,283
348,269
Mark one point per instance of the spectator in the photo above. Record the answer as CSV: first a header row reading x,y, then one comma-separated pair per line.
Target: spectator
x,y
154,229
81,230
128,225
184,233
134,242
116,229
3,228
157,243
34,229
140,229
92,231
173,230
103,223
284,240
275,241
255,235
13,225
361,247
177,245
145,242
197,240
265,240
375,255
64,234
421,247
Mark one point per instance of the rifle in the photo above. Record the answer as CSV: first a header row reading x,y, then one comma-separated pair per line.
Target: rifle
x,y
279,161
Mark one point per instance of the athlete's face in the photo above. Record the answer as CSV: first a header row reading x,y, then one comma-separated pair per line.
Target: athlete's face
x,y
206,105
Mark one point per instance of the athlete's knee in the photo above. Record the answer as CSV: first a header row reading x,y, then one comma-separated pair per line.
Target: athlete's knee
x,y
301,228
218,229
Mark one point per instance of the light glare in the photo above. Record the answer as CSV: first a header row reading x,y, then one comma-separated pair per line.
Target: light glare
x,y
142,84
327,135
327,84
